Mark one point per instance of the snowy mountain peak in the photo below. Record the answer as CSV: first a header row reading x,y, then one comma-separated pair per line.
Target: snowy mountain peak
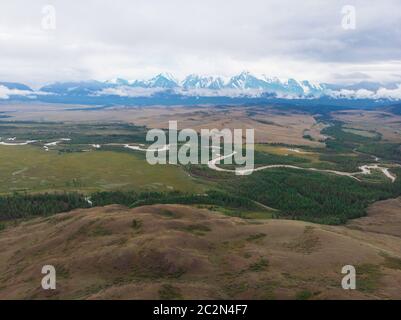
x,y
245,80
271,79
194,81
162,80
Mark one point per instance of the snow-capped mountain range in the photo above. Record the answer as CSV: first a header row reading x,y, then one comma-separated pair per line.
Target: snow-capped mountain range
x,y
242,82
244,85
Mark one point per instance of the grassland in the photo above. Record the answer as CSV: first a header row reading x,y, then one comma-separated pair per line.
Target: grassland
x,y
75,165
387,124
31,169
175,252
271,125
290,151
363,133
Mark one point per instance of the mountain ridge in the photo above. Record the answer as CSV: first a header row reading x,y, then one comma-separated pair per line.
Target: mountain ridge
x,y
244,84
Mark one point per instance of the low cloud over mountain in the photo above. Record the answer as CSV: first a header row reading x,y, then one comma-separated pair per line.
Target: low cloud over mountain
x,y
165,86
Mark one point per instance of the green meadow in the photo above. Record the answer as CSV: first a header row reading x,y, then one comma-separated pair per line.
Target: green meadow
x,y
32,169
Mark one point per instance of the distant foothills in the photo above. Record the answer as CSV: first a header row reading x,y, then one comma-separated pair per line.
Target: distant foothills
x,y
195,89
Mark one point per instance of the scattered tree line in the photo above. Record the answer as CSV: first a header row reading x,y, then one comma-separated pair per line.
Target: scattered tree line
x,y
19,205
133,199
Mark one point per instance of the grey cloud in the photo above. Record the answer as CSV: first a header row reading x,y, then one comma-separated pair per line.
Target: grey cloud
x,y
133,39
352,76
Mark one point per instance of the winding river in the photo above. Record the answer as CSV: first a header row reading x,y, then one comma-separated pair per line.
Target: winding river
x,y
366,169
212,164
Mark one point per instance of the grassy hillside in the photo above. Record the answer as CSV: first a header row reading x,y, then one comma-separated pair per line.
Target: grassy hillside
x,y
175,252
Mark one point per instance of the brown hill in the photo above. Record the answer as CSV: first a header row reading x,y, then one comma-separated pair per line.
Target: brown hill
x,y
174,251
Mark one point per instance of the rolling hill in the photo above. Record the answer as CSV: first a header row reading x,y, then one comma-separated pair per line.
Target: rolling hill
x,y
175,252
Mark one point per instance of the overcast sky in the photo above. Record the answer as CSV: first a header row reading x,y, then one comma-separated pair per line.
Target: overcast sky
x,y
99,39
